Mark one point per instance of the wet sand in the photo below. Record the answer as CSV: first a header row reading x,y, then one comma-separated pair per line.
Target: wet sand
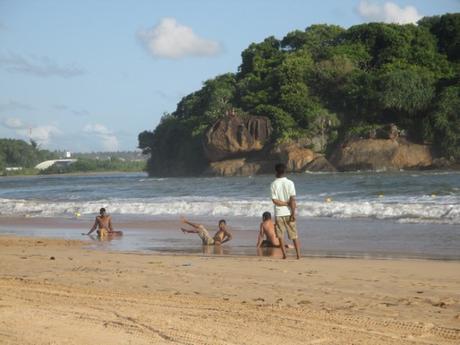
x,y
55,291
320,237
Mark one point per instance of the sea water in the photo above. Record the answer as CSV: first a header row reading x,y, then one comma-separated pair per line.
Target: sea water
x,y
410,214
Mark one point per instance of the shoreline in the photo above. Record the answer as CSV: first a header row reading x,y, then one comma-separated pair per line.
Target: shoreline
x,y
89,245
324,238
61,288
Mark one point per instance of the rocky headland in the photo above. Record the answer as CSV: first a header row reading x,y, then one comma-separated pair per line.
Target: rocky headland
x,y
243,146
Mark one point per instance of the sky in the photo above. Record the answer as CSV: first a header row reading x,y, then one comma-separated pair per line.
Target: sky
x,y
90,75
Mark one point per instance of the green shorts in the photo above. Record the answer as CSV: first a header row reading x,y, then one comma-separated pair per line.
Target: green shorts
x,y
282,225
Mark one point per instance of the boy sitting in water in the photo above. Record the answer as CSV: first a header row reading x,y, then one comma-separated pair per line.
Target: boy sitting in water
x,y
103,224
267,229
222,235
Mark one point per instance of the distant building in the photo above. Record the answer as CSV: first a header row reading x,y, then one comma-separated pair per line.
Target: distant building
x,y
68,154
13,168
59,162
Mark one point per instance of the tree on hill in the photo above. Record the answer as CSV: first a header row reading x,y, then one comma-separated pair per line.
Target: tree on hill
x,y
367,75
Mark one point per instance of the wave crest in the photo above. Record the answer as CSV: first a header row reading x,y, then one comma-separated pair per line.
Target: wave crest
x,y
402,212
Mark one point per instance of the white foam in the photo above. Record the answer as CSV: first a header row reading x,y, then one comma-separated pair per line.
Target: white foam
x,y
416,212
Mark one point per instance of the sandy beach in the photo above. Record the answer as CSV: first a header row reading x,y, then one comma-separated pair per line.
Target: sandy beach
x,y
59,292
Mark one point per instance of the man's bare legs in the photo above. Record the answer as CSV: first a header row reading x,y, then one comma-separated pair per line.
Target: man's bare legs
x,y
283,248
185,221
187,231
297,247
287,246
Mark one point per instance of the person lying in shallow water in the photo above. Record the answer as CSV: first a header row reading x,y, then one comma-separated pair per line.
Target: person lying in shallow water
x,y
221,236
103,224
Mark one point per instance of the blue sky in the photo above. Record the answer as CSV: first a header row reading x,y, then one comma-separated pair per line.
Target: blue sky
x,y
90,75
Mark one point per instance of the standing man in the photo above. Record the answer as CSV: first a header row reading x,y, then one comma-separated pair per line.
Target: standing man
x,y
283,197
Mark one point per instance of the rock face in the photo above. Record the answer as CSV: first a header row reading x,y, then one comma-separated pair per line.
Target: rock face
x,y
242,146
381,154
295,156
297,159
239,167
320,163
234,136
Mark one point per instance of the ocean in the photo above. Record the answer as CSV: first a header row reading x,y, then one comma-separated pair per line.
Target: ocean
x,y
378,214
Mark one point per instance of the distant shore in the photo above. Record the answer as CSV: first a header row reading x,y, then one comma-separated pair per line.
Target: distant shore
x,y
75,173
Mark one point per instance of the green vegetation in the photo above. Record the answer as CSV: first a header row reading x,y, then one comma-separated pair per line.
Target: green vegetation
x,y
20,154
363,77
84,165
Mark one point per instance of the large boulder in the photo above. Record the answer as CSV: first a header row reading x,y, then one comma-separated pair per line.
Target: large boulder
x,y
239,167
299,156
296,157
320,163
235,136
381,154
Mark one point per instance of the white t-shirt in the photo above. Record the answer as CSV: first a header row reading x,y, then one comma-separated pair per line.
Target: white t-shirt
x,y
282,189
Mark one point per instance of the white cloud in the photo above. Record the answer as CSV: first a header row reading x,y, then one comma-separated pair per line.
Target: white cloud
x,y
41,134
13,123
389,12
97,128
38,66
108,140
171,40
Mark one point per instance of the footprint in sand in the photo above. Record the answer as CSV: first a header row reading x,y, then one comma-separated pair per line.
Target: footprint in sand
x,y
440,304
304,302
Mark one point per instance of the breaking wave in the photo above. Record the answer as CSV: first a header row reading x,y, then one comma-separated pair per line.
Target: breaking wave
x,y
416,211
